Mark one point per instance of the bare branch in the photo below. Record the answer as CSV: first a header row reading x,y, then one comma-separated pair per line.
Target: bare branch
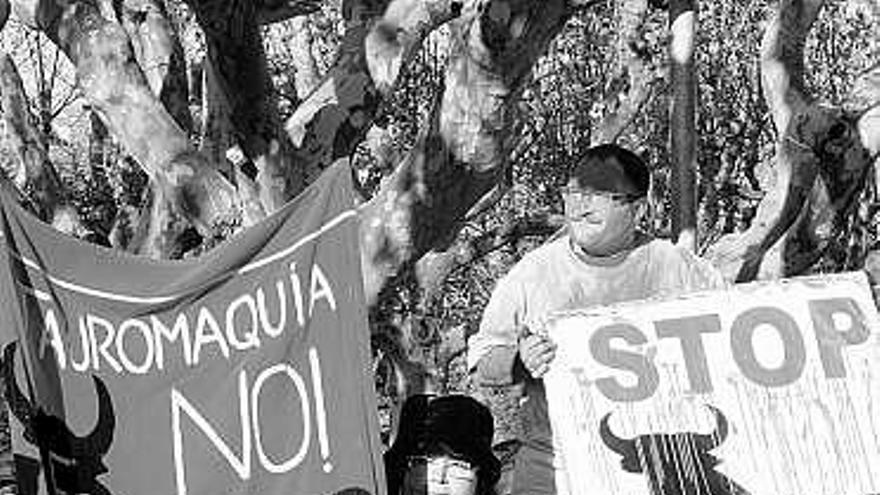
x,y
782,59
35,172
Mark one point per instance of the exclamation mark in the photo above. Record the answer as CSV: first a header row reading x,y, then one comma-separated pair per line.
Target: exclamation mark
x,y
320,411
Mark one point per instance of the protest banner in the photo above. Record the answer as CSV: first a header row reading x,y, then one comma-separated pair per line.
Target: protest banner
x,y
245,370
764,389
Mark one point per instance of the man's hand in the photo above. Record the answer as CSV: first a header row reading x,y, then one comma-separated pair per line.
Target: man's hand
x,y
536,353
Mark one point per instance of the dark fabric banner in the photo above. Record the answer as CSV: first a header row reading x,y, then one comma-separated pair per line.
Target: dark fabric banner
x,y
243,371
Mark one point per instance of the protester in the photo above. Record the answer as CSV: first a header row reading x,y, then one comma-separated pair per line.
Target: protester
x,y
443,447
601,258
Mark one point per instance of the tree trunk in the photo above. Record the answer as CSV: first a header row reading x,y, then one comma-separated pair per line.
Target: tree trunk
x,y
236,55
821,164
217,133
864,101
159,53
218,144
307,75
632,75
117,88
4,13
462,154
683,22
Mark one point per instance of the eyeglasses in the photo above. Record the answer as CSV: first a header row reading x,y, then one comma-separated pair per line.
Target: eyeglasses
x,y
433,475
442,461
580,195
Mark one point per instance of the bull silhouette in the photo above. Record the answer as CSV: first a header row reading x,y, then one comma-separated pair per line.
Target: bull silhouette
x,y
675,463
74,462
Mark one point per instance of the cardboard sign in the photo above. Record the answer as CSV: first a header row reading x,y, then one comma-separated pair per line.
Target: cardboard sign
x,y
243,371
763,389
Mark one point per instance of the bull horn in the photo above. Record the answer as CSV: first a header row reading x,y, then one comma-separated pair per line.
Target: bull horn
x,y
624,447
19,404
101,437
707,442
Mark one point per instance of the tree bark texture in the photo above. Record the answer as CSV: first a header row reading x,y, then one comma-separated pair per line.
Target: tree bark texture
x,y
864,101
462,155
117,88
307,74
434,268
380,35
219,145
822,162
682,120
237,58
633,74
4,13
159,53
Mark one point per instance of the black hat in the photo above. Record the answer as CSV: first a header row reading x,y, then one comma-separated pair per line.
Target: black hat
x,y
456,423
611,168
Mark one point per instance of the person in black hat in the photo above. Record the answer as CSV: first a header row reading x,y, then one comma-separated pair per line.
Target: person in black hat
x,y
443,447
600,258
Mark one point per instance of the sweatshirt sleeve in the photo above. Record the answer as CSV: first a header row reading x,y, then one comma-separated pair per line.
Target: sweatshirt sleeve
x,y
497,336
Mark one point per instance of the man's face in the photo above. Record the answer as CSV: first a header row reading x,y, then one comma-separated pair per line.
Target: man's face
x,y
600,223
441,475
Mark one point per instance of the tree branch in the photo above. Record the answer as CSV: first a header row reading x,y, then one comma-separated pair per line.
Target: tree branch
x,y
237,58
864,99
159,53
4,13
435,267
272,11
34,172
116,87
821,165
782,59
632,74
462,155
307,75
379,36
398,34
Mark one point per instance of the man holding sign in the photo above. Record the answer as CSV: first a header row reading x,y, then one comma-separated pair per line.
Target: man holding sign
x,y
601,259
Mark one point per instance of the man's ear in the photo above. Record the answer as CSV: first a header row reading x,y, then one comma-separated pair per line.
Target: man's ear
x,y
640,208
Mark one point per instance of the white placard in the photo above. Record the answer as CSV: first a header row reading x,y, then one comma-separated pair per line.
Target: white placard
x,y
790,369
